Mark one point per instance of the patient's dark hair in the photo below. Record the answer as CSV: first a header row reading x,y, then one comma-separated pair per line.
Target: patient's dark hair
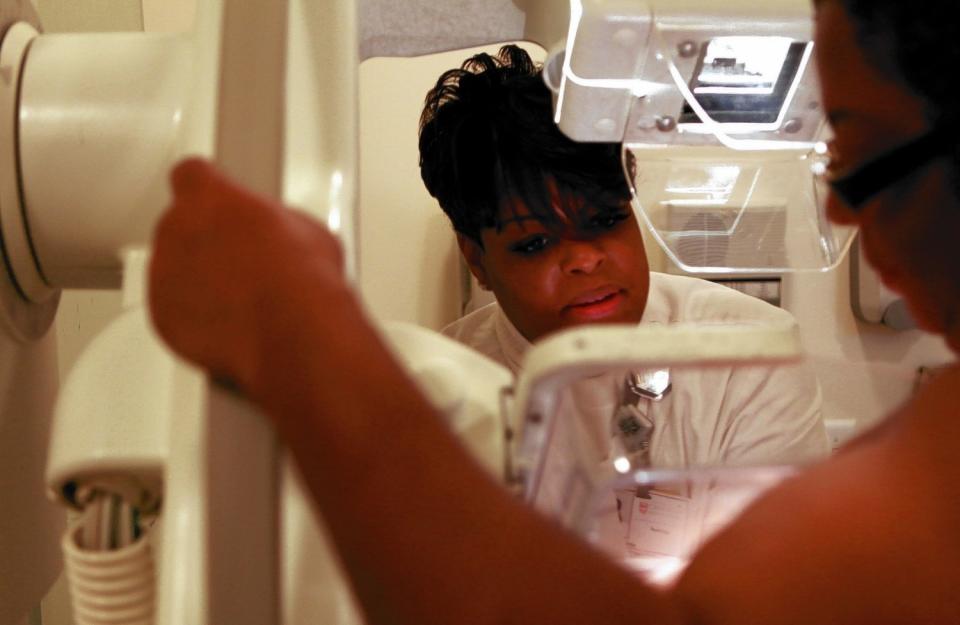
x,y
487,137
918,45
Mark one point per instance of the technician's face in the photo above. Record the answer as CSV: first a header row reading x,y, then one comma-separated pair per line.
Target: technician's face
x,y
547,278
909,231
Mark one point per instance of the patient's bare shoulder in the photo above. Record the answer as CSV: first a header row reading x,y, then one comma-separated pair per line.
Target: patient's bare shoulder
x,y
864,537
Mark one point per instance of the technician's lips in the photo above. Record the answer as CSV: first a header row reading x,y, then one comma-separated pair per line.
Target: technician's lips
x,y
596,304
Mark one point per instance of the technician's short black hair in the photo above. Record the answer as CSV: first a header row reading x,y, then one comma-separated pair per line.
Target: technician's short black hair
x,y
487,138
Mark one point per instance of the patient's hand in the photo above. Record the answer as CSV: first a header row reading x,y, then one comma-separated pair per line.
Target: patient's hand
x,y
235,278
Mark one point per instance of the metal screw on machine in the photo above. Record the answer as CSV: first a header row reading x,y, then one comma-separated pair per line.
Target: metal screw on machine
x,y
687,49
792,126
666,123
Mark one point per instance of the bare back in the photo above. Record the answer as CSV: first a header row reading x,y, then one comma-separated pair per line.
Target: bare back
x,y
870,536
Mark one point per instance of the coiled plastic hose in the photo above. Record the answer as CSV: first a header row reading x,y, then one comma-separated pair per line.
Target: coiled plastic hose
x,y
109,565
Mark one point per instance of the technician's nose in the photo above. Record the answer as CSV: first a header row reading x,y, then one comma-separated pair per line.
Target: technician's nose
x,y
581,257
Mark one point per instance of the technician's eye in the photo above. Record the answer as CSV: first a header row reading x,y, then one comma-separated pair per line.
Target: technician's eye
x,y
607,220
530,245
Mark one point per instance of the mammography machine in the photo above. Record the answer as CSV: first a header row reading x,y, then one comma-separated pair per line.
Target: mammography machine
x,y
718,106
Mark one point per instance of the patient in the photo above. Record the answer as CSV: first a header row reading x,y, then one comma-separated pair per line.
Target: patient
x,y
256,294
546,224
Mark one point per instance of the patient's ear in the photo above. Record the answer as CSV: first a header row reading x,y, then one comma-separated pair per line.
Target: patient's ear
x,y
473,255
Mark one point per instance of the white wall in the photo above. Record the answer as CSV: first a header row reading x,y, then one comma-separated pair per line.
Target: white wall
x,y
168,16
65,16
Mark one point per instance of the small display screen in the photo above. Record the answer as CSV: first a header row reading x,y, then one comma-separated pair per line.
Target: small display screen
x,y
744,79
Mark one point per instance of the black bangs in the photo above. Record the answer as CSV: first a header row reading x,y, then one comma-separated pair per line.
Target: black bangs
x,y
555,196
488,141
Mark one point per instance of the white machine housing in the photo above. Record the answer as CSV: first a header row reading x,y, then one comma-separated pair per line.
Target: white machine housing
x,y
717,105
624,69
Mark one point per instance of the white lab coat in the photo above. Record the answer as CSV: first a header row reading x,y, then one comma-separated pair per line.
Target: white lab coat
x,y
713,416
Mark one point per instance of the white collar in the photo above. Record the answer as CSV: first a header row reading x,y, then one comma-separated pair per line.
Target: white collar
x,y
513,344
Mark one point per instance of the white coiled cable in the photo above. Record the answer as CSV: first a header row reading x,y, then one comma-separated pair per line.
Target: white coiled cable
x,y
109,564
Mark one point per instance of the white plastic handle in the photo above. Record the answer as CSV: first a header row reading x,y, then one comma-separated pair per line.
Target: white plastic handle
x,y
243,459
